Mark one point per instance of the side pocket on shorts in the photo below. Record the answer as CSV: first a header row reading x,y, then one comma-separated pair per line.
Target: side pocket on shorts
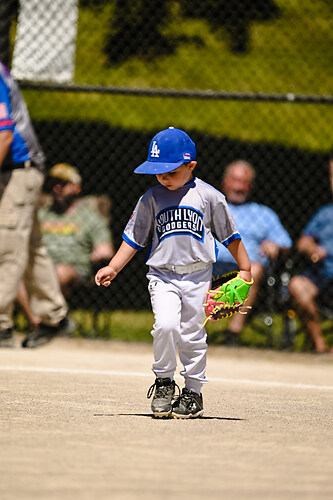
x,y
8,219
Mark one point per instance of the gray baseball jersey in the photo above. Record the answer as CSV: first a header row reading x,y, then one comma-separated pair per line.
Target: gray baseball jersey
x,y
181,225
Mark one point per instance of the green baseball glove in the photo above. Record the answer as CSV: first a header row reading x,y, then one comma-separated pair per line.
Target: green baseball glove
x,y
228,296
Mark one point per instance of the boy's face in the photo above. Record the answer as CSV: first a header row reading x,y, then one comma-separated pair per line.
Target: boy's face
x,y
177,178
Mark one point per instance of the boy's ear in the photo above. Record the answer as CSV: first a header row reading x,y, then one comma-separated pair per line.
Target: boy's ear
x,y
192,165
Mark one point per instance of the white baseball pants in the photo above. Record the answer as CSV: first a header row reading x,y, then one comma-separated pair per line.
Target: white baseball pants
x,y
177,302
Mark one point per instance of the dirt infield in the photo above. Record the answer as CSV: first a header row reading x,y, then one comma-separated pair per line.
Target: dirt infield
x,y
76,424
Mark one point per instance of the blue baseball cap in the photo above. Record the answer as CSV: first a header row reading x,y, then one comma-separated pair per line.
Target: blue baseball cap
x,y
168,150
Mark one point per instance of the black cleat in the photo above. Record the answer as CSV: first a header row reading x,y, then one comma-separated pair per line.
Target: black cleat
x,y
161,404
44,333
188,405
7,338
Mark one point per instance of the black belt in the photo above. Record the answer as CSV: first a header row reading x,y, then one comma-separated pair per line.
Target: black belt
x,y
18,165
13,166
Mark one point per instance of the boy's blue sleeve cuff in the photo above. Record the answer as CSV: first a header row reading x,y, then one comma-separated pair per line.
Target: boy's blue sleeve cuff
x,y
235,236
131,243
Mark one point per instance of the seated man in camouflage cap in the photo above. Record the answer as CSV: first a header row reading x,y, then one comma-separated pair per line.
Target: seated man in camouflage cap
x,y
75,234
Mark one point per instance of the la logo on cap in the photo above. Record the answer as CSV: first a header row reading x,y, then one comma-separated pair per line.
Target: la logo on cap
x,y
168,150
155,152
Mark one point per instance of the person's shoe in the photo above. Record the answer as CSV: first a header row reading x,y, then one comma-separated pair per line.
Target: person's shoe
x,y
188,405
66,327
161,404
44,333
7,338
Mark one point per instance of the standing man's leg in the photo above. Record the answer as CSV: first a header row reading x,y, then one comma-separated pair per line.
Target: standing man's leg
x,y
19,195
46,299
16,216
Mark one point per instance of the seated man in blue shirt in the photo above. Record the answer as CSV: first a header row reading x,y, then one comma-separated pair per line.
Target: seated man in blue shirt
x,y
316,242
262,232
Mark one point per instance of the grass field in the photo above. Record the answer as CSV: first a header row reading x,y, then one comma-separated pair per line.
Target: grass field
x,y
286,53
290,54
135,326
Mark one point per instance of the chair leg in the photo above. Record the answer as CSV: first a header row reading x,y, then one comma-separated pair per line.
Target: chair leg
x,y
289,332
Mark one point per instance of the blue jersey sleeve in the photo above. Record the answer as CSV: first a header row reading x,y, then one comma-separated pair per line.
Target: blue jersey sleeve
x,y
6,122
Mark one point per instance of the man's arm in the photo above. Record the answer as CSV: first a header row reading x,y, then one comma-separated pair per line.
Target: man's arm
x,y
308,245
277,239
6,138
270,249
23,300
102,251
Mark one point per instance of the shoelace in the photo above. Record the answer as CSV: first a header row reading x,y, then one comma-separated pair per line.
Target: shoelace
x,y
187,398
163,389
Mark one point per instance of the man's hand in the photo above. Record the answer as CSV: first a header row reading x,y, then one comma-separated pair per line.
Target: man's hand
x,y
318,254
308,245
270,249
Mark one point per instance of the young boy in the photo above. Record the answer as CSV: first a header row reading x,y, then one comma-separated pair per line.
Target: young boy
x,y
179,218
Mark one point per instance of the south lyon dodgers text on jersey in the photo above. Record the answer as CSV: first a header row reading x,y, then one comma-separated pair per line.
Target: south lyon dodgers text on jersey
x,y
181,225
179,220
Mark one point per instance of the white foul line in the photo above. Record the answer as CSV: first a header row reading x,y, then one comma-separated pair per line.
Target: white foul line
x,y
77,371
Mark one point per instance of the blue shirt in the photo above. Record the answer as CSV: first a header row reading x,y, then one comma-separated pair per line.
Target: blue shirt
x,y
14,116
255,223
320,227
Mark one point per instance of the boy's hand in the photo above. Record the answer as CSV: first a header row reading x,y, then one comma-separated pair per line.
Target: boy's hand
x,y
227,297
105,275
245,275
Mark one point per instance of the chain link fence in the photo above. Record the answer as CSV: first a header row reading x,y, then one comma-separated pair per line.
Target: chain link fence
x,y
248,79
